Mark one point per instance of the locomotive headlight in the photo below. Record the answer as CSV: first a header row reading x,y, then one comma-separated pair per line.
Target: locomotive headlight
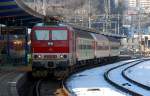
x,y
61,56
15,42
37,56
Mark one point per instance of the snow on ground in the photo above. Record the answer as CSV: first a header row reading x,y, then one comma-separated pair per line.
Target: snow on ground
x,y
92,83
140,73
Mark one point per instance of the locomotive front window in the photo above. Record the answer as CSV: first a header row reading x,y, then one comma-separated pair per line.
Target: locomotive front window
x,y
42,34
59,34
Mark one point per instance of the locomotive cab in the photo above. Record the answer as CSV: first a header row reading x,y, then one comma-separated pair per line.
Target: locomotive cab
x,y
50,47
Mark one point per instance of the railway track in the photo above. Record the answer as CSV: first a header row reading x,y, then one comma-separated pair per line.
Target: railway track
x,y
53,87
132,80
49,87
124,83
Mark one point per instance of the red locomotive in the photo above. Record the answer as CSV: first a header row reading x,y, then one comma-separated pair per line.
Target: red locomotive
x,y
60,48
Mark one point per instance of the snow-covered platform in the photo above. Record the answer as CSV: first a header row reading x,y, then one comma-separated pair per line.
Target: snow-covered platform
x,y
92,83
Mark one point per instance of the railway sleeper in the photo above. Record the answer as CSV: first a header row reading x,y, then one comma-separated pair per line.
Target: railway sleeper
x,y
61,73
39,73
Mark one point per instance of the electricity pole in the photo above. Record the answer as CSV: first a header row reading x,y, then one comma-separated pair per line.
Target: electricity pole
x,y
139,27
89,14
107,13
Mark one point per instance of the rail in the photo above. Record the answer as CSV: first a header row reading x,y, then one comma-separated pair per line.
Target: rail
x,y
133,81
119,86
66,89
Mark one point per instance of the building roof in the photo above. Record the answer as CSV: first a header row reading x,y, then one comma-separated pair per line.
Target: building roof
x,y
16,13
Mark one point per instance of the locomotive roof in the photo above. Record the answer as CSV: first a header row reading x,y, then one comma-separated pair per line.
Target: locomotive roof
x,y
50,25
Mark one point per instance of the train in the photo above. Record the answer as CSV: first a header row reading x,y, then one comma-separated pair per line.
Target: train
x,y
60,48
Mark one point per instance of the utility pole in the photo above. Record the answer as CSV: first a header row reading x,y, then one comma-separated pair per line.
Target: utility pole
x,y
118,23
139,27
107,13
89,14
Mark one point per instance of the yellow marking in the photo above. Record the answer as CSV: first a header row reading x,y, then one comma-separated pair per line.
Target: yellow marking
x,y
60,92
